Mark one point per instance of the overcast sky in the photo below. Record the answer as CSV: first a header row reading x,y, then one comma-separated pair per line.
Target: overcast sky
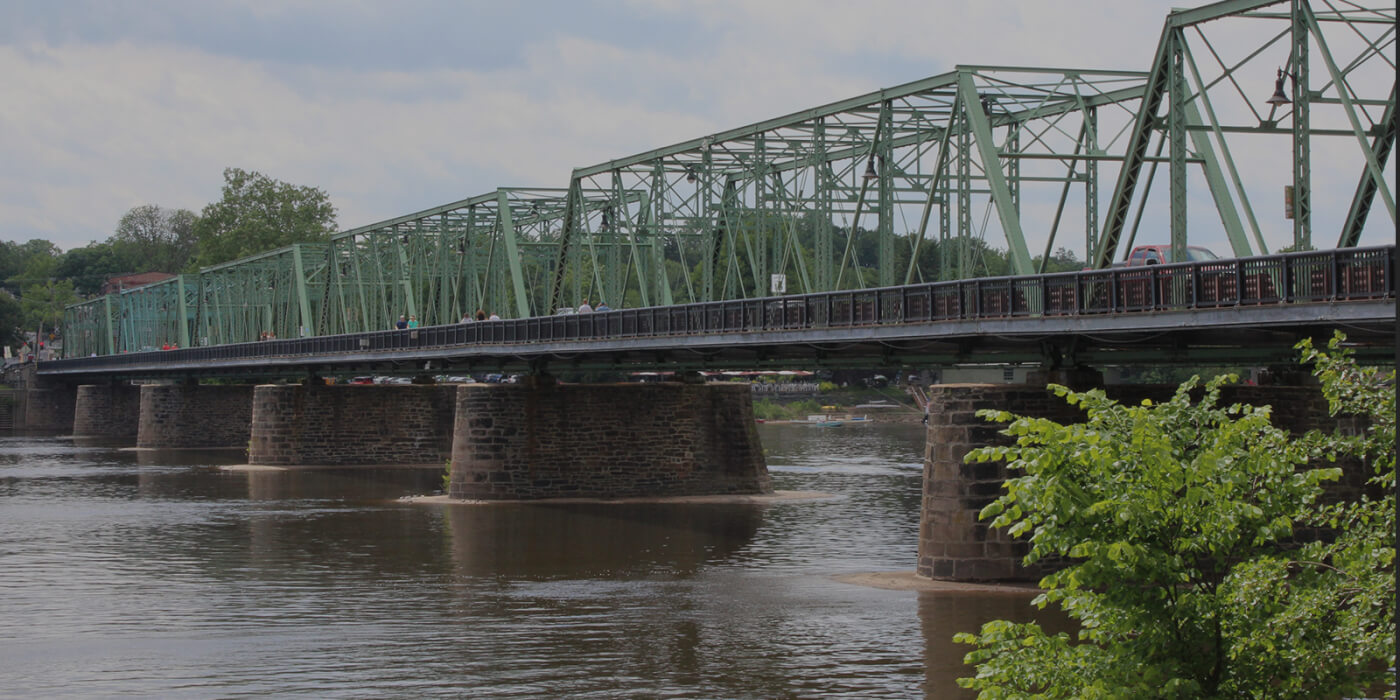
x,y
394,107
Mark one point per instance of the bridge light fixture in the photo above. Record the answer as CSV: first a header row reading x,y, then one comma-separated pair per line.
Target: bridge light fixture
x,y
870,169
1279,98
690,175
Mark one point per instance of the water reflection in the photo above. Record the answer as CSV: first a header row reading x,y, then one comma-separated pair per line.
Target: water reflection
x,y
158,573
595,541
944,613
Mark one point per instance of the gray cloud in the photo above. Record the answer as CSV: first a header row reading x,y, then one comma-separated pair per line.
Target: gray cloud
x,y
393,108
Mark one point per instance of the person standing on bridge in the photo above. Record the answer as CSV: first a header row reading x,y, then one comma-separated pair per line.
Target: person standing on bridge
x,y
584,308
480,315
412,321
602,306
466,317
402,323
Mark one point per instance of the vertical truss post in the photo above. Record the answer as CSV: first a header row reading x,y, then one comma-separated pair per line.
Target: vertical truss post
x,y
759,245
729,237
1091,178
182,312
1013,164
614,274
962,241
109,334
885,196
1176,141
1302,155
823,180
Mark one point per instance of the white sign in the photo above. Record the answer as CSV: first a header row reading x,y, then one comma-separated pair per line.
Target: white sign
x,y
779,284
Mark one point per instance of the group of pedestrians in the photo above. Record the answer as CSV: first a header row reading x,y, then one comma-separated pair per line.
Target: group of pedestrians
x,y
480,315
586,308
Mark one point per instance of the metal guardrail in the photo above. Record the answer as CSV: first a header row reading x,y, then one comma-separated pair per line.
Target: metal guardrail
x,y
1349,274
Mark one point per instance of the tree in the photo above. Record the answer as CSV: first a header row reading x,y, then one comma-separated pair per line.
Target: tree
x,y
92,265
11,317
20,262
1177,521
156,239
257,214
43,303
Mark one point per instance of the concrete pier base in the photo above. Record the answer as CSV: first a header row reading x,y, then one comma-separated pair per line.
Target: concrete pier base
x,y
352,425
189,415
107,411
955,546
605,441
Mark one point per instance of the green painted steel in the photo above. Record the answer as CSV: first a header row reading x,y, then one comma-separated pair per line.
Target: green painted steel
x,y
1356,43
840,196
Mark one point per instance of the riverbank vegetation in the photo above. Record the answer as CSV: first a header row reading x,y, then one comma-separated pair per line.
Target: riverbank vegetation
x,y
1176,523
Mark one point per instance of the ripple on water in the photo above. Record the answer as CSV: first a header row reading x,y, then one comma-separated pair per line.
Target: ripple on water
x,y
161,575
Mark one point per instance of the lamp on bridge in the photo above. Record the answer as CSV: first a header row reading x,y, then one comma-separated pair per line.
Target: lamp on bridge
x,y
1278,99
870,169
690,174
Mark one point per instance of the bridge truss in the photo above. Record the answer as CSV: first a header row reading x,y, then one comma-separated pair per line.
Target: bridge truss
x,y
909,184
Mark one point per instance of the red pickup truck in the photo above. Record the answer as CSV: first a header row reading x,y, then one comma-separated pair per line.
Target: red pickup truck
x,y
1162,253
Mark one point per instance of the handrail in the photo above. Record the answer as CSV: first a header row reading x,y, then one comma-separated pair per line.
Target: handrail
x,y
1293,278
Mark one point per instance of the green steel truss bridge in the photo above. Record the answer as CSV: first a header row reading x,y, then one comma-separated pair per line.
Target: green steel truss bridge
x,y
903,186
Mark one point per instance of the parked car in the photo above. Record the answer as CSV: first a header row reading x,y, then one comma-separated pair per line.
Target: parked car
x,y
362,380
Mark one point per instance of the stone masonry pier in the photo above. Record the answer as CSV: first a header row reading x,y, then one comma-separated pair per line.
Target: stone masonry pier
x,y
191,415
107,411
49,407
954,544
352,425
605,441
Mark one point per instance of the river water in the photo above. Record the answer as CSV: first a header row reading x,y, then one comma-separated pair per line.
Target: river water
x,y
156,573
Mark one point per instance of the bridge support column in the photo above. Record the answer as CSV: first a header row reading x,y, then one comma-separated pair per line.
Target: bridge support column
x,y
107,411
955,545
605,441
48,404
343,425
190,415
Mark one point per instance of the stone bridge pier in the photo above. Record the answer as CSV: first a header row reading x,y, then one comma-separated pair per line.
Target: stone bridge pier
x,y
194,415
318,424
551,440
109,411
954,544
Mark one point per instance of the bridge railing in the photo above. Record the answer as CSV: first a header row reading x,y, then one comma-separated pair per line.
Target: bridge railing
x,y
1294,278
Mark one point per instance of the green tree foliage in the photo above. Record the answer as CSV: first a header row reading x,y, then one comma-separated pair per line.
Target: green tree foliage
x,y
155,239
92,265
43,303
258,214
11,318
1176,521
25,263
